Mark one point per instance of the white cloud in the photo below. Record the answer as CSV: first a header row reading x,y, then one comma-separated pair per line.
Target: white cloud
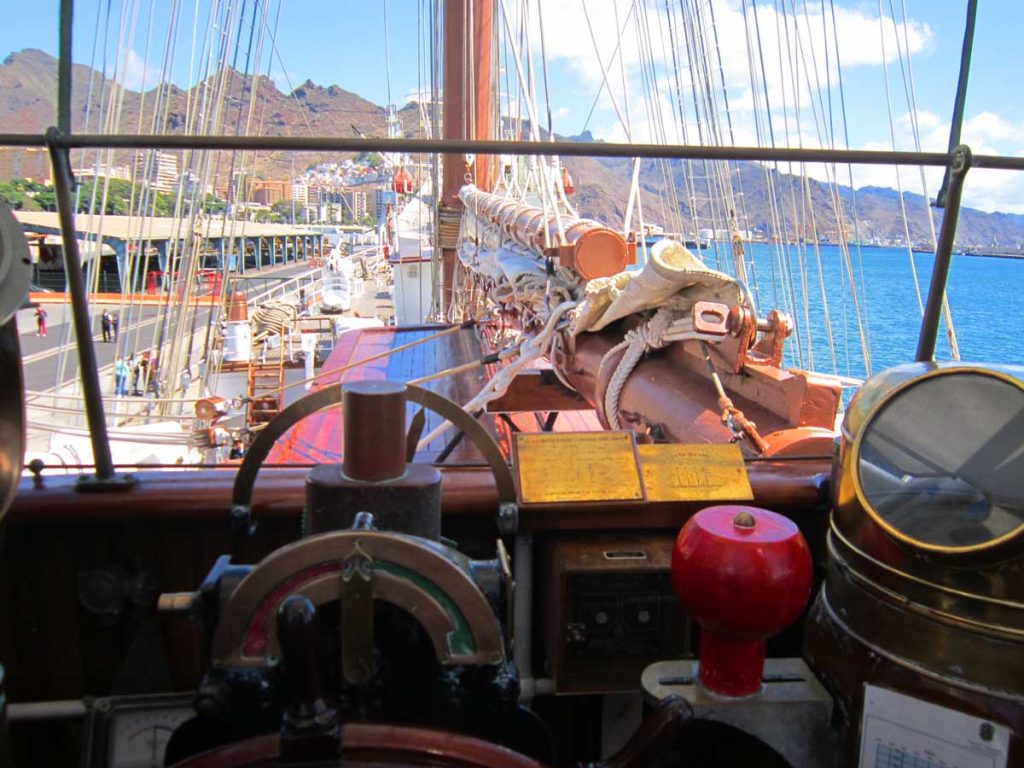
x,y
861,42
789,60
136,74
799,53
987,130
984,189
995,191
280,80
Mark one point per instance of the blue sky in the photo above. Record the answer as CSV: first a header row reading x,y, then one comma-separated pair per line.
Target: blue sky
x,y
343,43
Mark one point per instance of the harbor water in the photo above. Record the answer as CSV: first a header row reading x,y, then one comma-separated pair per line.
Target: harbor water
x,y
986,299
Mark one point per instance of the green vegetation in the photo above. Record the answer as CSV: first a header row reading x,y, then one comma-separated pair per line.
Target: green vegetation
x,y
11,195
267,217
372,159
118,197
27,195
121,197
283,209
213,205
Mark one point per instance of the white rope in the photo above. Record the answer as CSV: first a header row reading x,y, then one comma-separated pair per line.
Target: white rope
x,y
273,316
908,84
650,335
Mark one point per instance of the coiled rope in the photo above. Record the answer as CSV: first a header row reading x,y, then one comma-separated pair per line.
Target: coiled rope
x,y
272,317
650,335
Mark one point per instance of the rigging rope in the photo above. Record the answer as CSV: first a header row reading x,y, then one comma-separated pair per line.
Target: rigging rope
x,y
908,86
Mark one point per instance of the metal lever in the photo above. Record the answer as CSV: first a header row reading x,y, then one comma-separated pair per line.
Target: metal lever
x,y
358,662
310,730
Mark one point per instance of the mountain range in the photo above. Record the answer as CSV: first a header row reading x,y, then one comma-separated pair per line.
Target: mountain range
x,y
28,87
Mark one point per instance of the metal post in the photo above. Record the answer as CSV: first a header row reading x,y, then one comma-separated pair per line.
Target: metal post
x,y
62,182
64,67
958,168
961,97
5,740
501,147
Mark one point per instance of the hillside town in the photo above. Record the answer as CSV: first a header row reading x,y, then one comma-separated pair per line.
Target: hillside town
x,y
350,192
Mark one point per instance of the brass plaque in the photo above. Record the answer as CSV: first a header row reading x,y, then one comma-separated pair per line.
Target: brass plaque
x,y
675,472
577,466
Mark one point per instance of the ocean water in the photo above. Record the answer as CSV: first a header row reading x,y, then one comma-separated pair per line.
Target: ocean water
x,y
986,298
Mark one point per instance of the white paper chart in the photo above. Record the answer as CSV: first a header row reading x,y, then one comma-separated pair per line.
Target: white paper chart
x,y
899,731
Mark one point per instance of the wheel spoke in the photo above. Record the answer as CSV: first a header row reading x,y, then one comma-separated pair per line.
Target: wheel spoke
x,y
412,439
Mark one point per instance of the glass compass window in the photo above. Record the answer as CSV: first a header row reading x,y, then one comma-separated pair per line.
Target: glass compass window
x,y
941,464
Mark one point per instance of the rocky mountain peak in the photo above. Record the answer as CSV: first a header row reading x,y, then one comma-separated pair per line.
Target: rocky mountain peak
x,y
28,88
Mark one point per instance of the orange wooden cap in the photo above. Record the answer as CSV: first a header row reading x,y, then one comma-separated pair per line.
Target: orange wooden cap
x,y
599,253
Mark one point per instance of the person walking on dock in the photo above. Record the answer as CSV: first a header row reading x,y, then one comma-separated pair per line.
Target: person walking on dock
x,y
143,371
120,378
133,371
186,382
40,321
105,325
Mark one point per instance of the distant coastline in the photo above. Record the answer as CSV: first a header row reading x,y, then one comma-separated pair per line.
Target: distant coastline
x,y
973,251
992,255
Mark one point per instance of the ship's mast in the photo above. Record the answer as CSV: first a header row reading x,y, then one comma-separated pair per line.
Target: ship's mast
x,y
468,114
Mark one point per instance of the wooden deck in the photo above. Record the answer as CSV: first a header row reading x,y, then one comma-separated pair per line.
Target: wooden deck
x,y
318,439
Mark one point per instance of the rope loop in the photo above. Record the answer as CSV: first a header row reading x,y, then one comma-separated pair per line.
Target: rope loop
x,y
650,335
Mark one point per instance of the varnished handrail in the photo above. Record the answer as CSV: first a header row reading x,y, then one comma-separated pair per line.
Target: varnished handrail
x,y
785,485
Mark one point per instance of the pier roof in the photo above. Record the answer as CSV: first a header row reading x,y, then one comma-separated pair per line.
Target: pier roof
x,y
157,228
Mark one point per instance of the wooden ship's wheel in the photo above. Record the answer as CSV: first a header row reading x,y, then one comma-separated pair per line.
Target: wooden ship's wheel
x,y
366,744
318,652
369,618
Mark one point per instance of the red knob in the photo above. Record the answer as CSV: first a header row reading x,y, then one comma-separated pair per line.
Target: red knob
x,y
744,574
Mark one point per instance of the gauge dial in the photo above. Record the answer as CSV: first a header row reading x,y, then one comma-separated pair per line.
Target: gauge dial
x,y
940,464
139,737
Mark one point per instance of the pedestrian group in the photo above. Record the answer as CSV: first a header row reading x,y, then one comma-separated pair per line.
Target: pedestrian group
x,y
109,324
132,370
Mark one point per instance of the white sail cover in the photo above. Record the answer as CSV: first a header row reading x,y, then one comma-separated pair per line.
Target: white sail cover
x,y
673,276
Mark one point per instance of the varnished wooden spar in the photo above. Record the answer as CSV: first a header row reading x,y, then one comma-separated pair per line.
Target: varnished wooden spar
x,y
794,487
794,410
686,391
588,247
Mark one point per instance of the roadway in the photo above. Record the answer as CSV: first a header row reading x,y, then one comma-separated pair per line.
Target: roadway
x,y
41,357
